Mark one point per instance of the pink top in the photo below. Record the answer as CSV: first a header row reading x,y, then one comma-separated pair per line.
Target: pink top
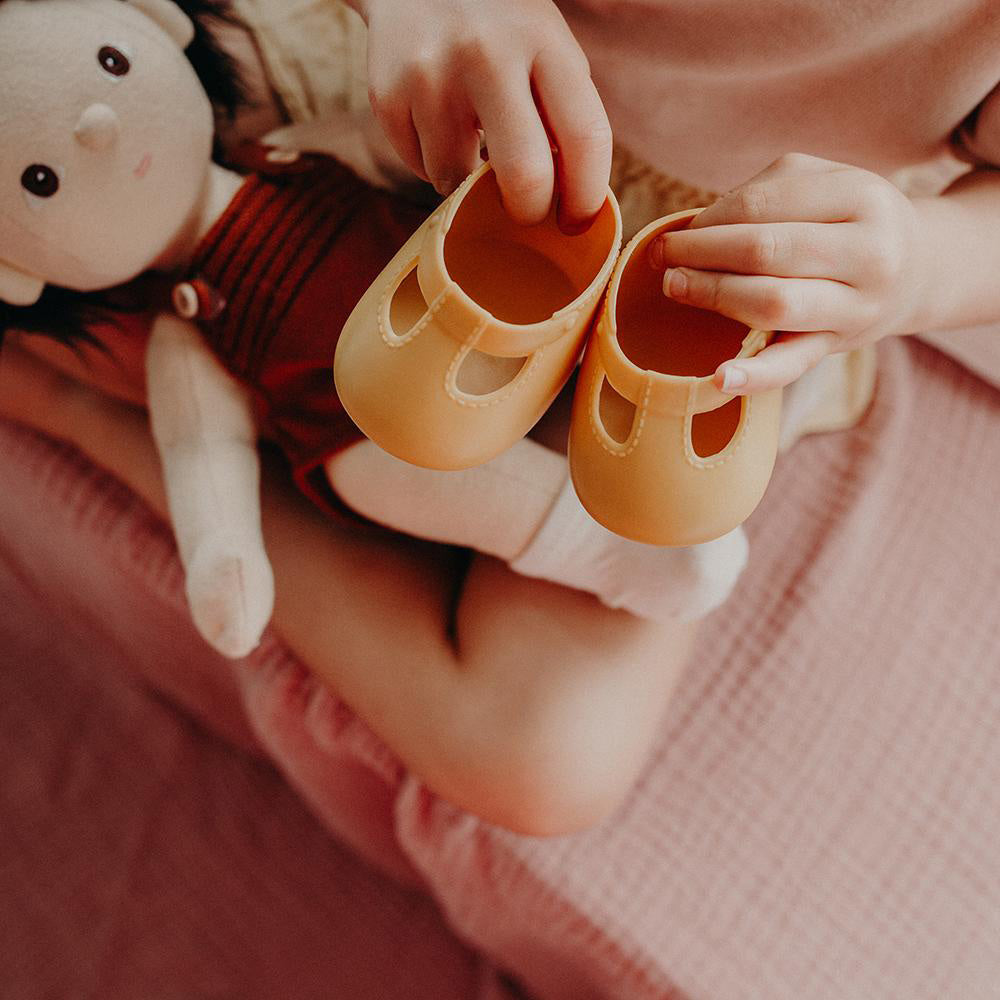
x,y
712,91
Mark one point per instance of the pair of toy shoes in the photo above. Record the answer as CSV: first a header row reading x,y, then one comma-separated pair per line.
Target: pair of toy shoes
x,y
472,329
477,323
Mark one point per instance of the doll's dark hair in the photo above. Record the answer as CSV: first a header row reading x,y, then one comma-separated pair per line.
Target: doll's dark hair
x,y
68,316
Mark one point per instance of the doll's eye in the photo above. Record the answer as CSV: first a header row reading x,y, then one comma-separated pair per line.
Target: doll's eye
x,y
113,61
40,181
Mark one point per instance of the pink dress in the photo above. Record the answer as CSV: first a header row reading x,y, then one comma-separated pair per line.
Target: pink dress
x,y
712,91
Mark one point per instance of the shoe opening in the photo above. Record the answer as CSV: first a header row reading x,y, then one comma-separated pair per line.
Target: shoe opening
x,y
616,412
712,431
522,274
660,335
481,374
408,305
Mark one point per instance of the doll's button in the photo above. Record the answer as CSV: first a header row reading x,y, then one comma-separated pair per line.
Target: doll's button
x,y
185,300
197,299
282,157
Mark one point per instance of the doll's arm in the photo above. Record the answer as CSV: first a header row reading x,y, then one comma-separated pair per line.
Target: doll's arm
x,y
521,507
203,426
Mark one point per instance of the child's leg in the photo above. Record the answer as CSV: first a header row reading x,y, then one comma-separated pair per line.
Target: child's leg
x,y
522,508
525,702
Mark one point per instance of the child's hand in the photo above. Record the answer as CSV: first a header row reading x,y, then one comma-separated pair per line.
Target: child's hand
x,y
830,251
441,70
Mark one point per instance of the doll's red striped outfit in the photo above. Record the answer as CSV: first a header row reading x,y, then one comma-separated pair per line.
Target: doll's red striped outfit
x,y
280,272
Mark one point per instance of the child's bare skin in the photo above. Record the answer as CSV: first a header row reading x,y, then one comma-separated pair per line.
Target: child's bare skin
x,y
441,70
530,704
715,92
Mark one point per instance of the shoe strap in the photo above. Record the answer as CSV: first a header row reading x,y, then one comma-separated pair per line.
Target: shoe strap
x,y
665,395
464,320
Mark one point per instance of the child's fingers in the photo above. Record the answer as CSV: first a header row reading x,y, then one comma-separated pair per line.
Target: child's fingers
x,y
782,249
519,145
778,365
579,126
796,163
396,118
449,144
767,303
833,196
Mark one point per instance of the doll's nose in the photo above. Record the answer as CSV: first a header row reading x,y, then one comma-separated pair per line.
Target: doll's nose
x,y
97,128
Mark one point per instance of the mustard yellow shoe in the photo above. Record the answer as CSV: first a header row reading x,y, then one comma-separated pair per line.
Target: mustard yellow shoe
x,y
657,453
471,331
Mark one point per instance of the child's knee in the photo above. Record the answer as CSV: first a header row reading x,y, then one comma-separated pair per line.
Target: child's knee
x,y
549,776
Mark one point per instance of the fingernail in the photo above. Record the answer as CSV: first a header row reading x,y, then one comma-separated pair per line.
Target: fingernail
x,y
675,283
656,256
733,378
573,227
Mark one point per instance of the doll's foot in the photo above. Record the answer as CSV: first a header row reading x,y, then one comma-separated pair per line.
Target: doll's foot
x,y
231,595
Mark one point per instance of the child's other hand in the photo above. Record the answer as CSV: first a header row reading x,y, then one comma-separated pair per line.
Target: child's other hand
x,y
827,253
441,70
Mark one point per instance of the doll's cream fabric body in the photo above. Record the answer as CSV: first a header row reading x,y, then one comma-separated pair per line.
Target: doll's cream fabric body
x,y
135,189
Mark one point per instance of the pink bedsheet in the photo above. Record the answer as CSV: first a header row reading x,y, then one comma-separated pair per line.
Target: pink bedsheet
x,y
142,857
820,819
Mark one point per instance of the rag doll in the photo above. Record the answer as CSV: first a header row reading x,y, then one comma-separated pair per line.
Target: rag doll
x,y
110,199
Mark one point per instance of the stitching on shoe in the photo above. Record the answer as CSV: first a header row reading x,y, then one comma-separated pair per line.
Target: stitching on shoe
x,y
600,431
389,337
499,395
731,448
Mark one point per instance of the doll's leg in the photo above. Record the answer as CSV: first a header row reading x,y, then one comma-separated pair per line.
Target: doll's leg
x,y
494,508
521,507
203,427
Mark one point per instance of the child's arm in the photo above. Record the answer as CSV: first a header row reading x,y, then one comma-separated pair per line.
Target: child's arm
x,y
836,257
439,70
202,423
959,231
527,703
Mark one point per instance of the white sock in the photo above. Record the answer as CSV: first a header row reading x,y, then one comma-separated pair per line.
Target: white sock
x,y
521,507
494,508
655,582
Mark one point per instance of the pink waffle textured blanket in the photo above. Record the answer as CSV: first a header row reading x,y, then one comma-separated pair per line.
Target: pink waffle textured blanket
x,y
820,819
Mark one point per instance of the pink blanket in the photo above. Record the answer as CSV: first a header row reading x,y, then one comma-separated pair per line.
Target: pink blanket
x,y
141,856
820,819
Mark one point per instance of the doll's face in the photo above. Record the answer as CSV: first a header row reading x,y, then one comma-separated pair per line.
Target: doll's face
x,y
105,139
